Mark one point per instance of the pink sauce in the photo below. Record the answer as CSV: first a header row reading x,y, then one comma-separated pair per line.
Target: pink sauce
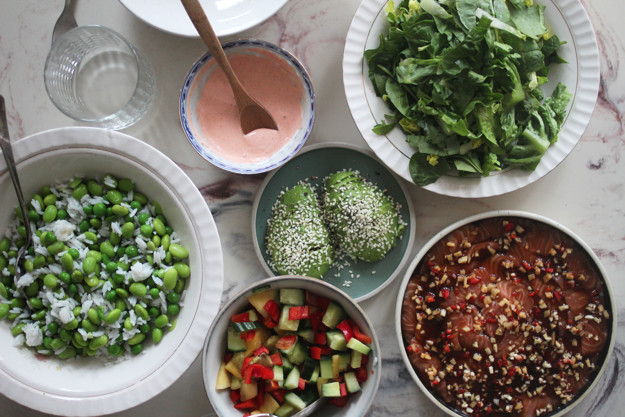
x,y
269,80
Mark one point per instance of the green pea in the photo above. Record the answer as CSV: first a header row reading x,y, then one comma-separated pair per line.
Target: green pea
x,y
98,342
113,316
143,218
61,214
146,230
4,310
131,251
141,311
71,325
94,188
39,261
47,342
114,196
50,281
111,296
125,185
154,312
111,267
120,304
123,266
118,278
165,242
178,252
154,292
55,248
47,238
120,210
170,279
83,226
161,321
80,191
145,328
68,353
136,349
65,277
72,289
135,205
52,327
128,230
88,209
115,350
184,271
67,262
173,309
89,264
77,276
159,226
173,297
138,338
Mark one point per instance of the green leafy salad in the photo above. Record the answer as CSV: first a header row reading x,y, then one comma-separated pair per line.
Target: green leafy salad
x,y
463,80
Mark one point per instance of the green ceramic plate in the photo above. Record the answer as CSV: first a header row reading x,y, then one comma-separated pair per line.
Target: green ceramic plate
x,y
360,280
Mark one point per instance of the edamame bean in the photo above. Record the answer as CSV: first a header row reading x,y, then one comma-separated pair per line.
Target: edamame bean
x,y
136,349
115,350
159,226
88,326
146,230
115,238
141,311
69,352
184,271
49,200
49,214
128,230
50,281
178,251
165,241
120,210
138,289
3,291
4,310
91,237
98,342
158,209
121,292
138,338
125,185
114,196
93,316
107,249
113,316
80,191
94,188
161,321
67,262
71,325
36,303
170,279
157,335
56,248
89,265
57,343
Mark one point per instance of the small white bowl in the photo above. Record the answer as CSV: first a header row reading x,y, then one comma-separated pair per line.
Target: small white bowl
x,y
215,346
604,357
85,386
199,75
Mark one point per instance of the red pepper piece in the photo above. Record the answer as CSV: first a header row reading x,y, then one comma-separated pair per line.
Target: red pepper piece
x,y
260,351
272,386
346,329
248,335
361,374
267,373
343,389
235,395
241,318
298,313
361,336
270,323
276,359
301,384
286,341
320,339
273,309
246,363
317,351
279,395
244,405
338,401
317,300
315,320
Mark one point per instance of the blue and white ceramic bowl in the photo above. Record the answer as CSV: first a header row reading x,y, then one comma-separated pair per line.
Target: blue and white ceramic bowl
x,y
191,92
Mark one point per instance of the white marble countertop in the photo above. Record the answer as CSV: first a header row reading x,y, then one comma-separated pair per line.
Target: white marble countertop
x,y
586,192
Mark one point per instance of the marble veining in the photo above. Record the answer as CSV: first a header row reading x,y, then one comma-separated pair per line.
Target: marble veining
x,y
586,192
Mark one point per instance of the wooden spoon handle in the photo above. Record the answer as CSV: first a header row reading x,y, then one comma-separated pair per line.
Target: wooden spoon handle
x,y
204,28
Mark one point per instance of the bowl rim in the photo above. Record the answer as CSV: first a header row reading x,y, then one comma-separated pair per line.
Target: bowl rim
x,y
199,64
376,365
411,231
486,215
126,147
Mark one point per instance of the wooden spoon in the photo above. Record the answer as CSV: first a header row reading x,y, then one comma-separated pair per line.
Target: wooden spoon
x,y
252,114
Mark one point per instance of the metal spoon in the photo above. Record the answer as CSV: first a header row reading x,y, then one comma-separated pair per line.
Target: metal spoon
x,y
252,114
66,20
7,152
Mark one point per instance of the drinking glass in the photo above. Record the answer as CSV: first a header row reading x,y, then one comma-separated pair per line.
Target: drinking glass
x,y
92,74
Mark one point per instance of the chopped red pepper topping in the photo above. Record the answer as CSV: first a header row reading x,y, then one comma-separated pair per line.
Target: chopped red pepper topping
x,y
273,309
244,405
317,351
279,395
235,395
346,329
276,359
316,300
260,351
298,313
338,401
320,339
241,318
248,335
286,342
359,335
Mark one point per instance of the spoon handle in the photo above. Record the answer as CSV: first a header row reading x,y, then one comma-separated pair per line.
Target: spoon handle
x,y
204,28
7,152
